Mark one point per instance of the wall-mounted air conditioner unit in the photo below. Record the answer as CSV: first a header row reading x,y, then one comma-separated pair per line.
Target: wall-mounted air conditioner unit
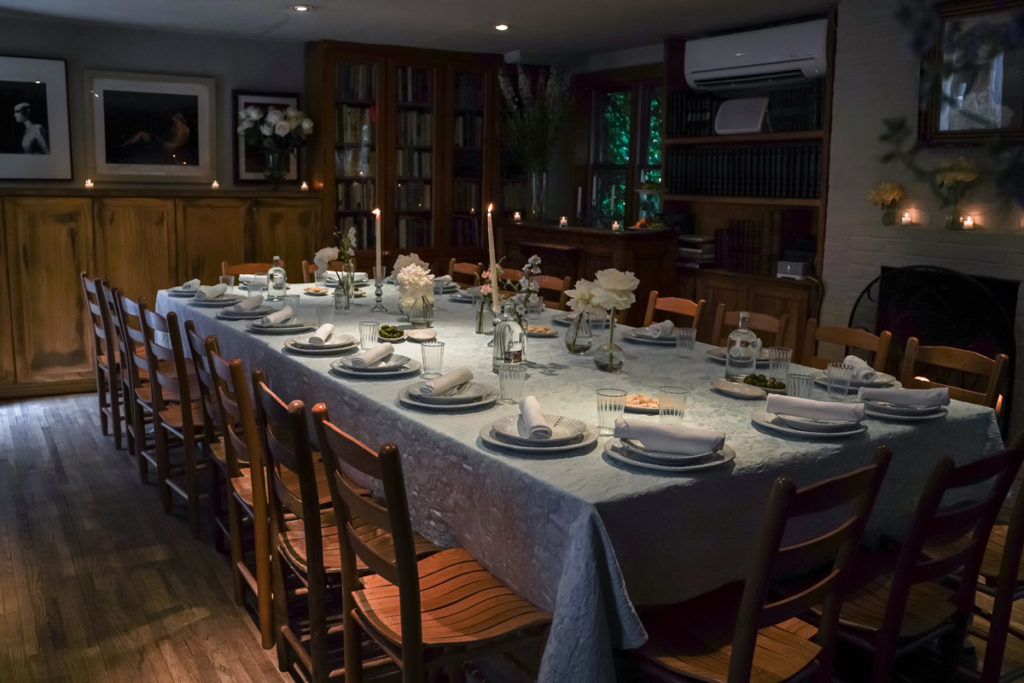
x,y
765,57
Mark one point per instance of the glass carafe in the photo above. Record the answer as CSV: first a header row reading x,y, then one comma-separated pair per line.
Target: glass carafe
x,y
509,339
277,280
741,350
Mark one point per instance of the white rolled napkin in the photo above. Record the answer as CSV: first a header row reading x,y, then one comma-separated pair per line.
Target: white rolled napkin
x,y
669,438
361,277
191,285
321,335
446,382
370,357
253,279
277,316
912,398
249,303
861,370
663,329
814,410
211,292
442,281
533,418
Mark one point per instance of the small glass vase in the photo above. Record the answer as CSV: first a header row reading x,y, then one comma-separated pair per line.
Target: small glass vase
x,y
421,312
342,297
608,356
276,169
889,213
538,192
484,324
954,221
579,337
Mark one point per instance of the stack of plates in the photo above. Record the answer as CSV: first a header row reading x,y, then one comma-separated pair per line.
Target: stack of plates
x,y
342,343
395,366
219,302
901,413
632,453
808,428
251,314
469,396
881,380
183,293
290,326
510,434
642,336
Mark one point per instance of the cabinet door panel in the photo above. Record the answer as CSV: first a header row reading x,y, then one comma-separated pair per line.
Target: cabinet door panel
x,y
135,245
210,231
776,299
49,241
6,326
285,228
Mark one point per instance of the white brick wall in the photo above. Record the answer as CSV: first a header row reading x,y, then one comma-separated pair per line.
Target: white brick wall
x,y
875,78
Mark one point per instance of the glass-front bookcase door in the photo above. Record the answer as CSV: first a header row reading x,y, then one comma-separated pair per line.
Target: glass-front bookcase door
x,y
468,97
414,157
355,152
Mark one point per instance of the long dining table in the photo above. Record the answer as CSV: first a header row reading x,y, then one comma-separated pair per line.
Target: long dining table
x,y
590,540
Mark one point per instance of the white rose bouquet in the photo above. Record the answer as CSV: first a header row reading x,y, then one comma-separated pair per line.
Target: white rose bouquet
x,y
404,260
278,133
415,286
613,291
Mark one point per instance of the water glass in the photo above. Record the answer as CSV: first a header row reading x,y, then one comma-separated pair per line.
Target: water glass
x,y
778,361
318,278
511,378
799,385
611,404
672,402
229,282
838,376
324,314
685,338
433,358
291,300
368,330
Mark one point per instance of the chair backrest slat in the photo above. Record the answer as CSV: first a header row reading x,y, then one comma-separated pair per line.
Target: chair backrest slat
x,y
850,339
204,379
987,373
674,304
244,268
769,329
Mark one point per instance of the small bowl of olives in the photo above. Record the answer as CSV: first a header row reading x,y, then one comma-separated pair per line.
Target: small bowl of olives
x,y
769,384
390,333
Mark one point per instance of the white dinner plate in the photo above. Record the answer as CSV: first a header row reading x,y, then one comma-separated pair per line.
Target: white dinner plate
x,y
291,327
309,291
307,350
619,456
564,430
567,318
465,393
486,401
219,302
896,409
182,293
769,421
343,341
718,354
637,449
639,337
252,314
412,366
421,334
896,417
586,443
812,425
461,298
880,381
738,389
394,362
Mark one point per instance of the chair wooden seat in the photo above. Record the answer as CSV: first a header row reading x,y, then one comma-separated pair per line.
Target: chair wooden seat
x,y
172,415
929,606
460,602
694,639
994,556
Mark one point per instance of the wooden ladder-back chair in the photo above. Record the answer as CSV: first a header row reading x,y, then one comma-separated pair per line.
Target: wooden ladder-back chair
x,y
464,273
847,337
244,268
177,414
744,631
553,290
674,304
771,330
105,358
899,601
131,346
422,624
989,372
309,269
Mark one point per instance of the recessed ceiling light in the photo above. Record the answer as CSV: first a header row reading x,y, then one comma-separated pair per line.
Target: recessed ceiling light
x,y
501,27
302,8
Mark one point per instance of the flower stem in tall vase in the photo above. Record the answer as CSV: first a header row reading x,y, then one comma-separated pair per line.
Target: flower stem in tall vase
x,y
608,356
578,336
538,192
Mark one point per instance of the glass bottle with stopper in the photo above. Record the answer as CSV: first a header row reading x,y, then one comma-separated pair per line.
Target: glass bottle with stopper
x,y
741,350
509,339
277,280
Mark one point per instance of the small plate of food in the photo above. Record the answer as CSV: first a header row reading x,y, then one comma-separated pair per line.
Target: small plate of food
x,y
540,331
315,291
390,333
642,404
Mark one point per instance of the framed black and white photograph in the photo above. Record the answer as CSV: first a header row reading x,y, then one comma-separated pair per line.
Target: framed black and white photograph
x,y
34,139
251,163
154,128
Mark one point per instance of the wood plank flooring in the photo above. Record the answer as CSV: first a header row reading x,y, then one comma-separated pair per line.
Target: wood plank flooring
x,y
96,582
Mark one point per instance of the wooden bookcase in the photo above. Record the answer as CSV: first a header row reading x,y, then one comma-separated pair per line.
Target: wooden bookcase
x,y
412,132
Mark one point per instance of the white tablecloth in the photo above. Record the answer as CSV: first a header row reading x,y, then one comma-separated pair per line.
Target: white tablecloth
x,y
578,535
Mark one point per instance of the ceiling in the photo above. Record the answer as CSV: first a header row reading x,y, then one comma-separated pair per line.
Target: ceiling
x,y
560,29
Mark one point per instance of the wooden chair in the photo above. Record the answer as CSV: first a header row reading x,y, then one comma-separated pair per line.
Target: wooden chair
x,y
511,274
848,337
557,286
309,269
422,624
989,372
743,631
899,602
465,273
244,268
245,487
674,304
771,330
135,371
105,359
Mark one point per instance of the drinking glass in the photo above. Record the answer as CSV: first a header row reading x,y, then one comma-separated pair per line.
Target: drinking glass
x,y
229,281
799,385
291,300
838,376
778,361
672,402
685,337
318,278
324,314
511,378
611,404
368,330
433,357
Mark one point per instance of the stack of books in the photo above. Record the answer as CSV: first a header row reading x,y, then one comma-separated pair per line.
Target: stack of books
x,y
696,250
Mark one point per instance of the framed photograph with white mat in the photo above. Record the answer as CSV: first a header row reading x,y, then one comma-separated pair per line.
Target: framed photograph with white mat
x,y
150,128
250,163
34,139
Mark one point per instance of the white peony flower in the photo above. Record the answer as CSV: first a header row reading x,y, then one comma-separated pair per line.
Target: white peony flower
x,y
615,280
251,113
324,257
405,259
611,298
245,125
581,297
282,128
267,129
273,115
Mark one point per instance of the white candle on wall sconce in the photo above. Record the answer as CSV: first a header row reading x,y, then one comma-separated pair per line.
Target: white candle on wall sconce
x,y
304,186
88,183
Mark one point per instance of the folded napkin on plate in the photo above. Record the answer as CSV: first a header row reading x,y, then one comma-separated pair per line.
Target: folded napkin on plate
x,y
912,398
663,329
191,285
669,438
321,335
253,279
248,303
861,370
533,418
276,317
446,382
211,292
335,275
442,281
814,410
370,357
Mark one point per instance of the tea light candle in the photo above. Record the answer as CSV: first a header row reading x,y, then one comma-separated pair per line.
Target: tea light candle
x,y
616,226
517,217
969,223
905,220
563,222
304,186
88,183
214,185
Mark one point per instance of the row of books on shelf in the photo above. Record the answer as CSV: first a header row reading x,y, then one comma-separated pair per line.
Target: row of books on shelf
x,y
353,162
796,108
413,233
412,196
469,91
356,195
696,250
467,196
469,130
413,86
466,231
692,114
413,163
365,230
689,114
791,171
356,81
415,128
355,125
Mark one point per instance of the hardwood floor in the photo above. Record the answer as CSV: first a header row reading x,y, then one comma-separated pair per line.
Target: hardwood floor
x,y
96,582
